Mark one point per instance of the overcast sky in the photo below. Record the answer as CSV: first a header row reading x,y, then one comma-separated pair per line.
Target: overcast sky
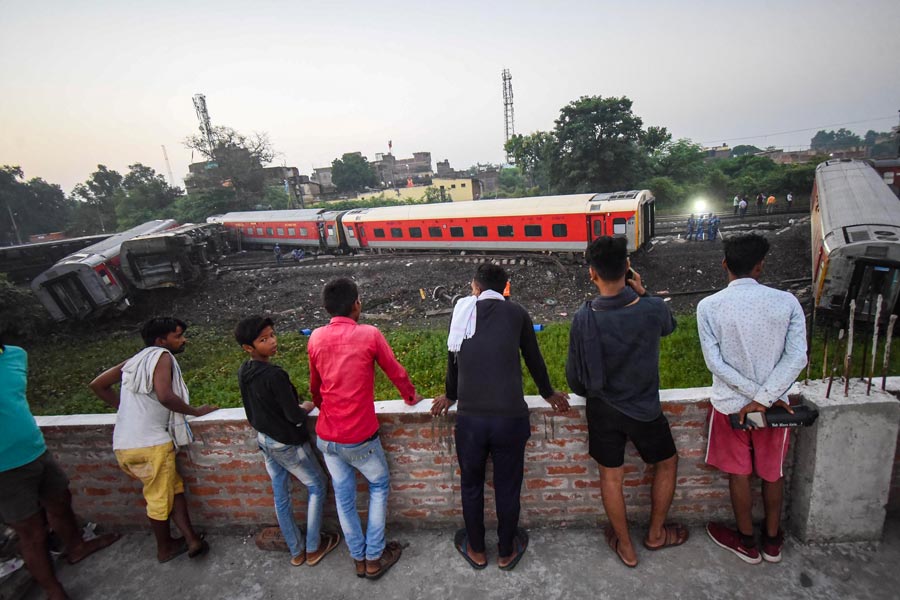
x,y
93,82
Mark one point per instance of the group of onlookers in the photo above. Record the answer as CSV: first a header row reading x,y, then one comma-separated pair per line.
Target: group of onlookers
x,y
752,337
769,203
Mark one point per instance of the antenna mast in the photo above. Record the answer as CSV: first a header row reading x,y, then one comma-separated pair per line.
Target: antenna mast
x,y
205,127
508,113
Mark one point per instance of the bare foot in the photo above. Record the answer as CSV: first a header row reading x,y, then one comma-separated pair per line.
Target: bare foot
x,y
86,548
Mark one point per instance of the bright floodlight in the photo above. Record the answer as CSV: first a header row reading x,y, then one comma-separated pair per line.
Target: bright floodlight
x,y
699,205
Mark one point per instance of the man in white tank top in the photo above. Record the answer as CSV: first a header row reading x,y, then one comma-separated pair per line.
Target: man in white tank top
x,y
152,390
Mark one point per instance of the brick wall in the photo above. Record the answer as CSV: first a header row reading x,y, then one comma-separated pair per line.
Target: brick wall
x,y
227,484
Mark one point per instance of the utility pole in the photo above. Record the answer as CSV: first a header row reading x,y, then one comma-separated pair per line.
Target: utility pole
x,y
508,113
13,221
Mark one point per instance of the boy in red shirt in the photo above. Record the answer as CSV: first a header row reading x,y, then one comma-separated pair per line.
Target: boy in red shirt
x,y
342,358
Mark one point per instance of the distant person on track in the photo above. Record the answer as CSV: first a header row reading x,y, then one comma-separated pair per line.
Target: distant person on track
x,y
691,225
753,339
770,204
737,202
489,337
701,227
760,202
342,359
274,410
297,254
790,201
713,228
152,392
34,491
743,207
613,361
277,251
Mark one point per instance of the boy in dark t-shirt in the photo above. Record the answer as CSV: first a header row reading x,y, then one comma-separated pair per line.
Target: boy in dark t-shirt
x,y
275,412
614,363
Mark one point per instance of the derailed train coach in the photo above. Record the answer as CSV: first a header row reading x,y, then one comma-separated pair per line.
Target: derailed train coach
x,y
855,222
544,223
173,258
89,282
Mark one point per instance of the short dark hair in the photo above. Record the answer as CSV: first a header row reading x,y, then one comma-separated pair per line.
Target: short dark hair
x,y
2,340
609,257
160,327
489,276
339,296
247,330
743,252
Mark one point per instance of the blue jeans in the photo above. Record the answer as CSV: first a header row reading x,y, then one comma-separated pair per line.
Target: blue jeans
x,y
282,461
343,460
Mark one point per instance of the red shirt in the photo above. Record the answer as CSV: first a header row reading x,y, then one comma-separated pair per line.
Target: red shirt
x,y
342,357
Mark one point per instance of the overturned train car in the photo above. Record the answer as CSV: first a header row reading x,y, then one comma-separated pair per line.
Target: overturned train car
x,y
855,221
173,258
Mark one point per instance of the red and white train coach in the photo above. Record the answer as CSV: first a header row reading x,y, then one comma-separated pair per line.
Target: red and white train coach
x,y
545,223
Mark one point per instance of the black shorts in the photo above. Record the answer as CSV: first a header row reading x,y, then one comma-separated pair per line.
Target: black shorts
x,y
24,490
609,429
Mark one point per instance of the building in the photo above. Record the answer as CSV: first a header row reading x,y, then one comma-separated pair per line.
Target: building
x,y
458,189
394,173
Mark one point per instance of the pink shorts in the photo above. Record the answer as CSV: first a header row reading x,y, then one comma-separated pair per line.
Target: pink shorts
x,y
746,451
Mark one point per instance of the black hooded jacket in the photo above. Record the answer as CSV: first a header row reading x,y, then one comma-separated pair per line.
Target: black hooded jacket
x,y
271,402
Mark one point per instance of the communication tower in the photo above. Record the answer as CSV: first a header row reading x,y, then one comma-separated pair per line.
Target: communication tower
x,y
205,127
508,114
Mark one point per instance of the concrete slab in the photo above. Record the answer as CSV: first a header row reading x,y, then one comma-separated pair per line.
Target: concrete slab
x,y
560,564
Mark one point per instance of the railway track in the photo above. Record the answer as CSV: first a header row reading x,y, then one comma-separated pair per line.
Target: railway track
x,y
730,216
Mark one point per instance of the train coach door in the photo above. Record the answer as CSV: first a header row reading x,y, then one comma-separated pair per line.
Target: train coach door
x,y
868,281
596,227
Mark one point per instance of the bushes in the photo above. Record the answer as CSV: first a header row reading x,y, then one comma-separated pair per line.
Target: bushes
x,y
21,315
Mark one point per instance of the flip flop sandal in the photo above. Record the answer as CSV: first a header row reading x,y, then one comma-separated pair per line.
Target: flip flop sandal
x,y
612,540
330,541
673,532
178,552
203,549
521,543
389,558
461,543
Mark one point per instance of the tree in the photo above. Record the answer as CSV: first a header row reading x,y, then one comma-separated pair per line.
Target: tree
x,y
742,149
352,173
827,141
145,195
197,206
31,207
98,193
682,161
600,145
533,155
235,162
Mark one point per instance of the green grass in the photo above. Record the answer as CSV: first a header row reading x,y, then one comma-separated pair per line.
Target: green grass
x,y
61,368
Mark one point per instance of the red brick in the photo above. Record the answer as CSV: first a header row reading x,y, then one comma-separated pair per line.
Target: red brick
x,y
581,428
399,487
581,484
224,502
253,502
563,497
246,489
540,484
252,478
401,432
200,490
546,456
414,513
426,473
566,470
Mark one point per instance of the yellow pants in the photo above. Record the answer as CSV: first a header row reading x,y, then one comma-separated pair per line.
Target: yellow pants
x,y
154,466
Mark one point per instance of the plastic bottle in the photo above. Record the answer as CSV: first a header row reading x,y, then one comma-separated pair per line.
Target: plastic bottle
x,y
305,331
538,327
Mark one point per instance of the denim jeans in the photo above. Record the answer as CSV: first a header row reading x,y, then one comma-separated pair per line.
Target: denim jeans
x,y
343,460
282,461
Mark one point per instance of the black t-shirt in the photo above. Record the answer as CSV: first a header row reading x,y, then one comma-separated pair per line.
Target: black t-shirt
x,y
486,374
614,355
271,402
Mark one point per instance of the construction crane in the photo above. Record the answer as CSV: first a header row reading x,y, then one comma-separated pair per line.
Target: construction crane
x,y
205,126
168,167
508,113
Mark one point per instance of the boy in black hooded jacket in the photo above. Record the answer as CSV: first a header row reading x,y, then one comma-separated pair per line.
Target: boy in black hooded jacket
x,y
274,410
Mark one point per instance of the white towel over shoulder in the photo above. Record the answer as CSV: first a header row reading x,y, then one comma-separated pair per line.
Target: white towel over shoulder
x,y
462,324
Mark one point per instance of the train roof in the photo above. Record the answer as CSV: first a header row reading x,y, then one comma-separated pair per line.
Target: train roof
x,y
110,246
52,243
265,216
573,203
187,227
853,194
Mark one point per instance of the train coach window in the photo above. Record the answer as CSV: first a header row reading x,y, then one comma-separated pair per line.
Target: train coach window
x,y
331,231
456,232
259,231
304,232
560,230
268,231
379,233
292,232
435,232
249,231
618,226
505,230
280,231
415,232
479,231
532,231
396,232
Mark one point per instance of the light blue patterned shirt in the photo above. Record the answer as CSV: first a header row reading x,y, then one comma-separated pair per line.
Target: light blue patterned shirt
x,y
754,341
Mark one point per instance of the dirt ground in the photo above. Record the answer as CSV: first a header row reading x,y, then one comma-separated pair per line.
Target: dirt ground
x,y
550,287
